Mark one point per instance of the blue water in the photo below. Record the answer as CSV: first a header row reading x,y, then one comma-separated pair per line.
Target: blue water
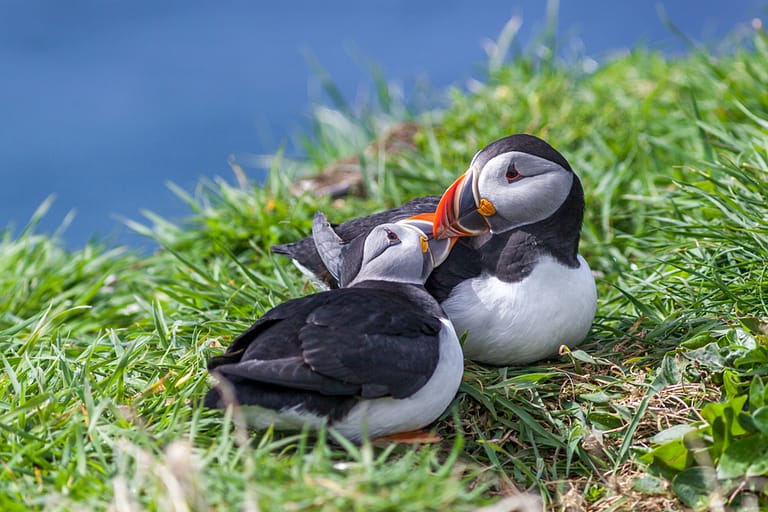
x,y
102,102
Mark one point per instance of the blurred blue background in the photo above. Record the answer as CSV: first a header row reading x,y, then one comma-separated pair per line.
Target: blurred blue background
x,y
102,102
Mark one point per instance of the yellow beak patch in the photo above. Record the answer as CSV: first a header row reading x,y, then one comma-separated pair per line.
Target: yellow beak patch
x,y
424,244
486,208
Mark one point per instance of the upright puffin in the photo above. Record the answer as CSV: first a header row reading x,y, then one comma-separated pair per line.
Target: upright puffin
x,y
376,358
515,282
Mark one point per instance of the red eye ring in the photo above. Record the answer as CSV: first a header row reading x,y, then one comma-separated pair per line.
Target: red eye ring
x,y
392,236
512,173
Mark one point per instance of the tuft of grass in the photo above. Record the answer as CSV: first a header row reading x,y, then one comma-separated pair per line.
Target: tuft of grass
x,y
103,350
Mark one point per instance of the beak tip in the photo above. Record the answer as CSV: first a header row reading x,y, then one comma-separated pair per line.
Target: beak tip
x,y
441,231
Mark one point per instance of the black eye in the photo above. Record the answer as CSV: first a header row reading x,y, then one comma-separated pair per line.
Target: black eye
x,y
392,236
512,173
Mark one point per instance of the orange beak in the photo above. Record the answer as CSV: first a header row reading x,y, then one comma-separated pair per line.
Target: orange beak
x,y
460,212
438,249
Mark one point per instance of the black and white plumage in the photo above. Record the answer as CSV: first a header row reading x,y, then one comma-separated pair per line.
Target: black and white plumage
x,y
306,257
347,261
379,357
515,283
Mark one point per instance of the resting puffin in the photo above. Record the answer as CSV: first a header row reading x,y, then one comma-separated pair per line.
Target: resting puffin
x,y
304,253
342,259
376,358
515,281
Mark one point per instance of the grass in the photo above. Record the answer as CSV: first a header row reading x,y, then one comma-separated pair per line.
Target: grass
x,y
103,350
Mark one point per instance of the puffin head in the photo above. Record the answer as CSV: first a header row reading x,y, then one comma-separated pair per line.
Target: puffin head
x,y
403,251
512,182
438,250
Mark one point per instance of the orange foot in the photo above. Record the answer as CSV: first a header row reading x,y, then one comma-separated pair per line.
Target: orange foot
x,y
412,437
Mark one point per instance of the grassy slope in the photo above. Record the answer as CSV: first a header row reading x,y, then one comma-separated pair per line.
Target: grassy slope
x,y
102,350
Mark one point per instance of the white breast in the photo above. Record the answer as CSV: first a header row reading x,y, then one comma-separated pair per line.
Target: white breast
x,y
294,418
383,416
517,323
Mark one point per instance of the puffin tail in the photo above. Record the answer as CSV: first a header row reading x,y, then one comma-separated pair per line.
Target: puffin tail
x,y
288,249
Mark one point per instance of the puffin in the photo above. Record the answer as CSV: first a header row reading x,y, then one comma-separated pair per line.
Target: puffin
x,y
306,257
514,282
342,260
376,358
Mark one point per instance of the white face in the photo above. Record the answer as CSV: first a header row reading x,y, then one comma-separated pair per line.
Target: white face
x,y
438,249
523,188
394,252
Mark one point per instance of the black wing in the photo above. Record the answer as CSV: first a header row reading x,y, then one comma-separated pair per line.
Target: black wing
x,y
277,323
362,342
305,253
385,344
